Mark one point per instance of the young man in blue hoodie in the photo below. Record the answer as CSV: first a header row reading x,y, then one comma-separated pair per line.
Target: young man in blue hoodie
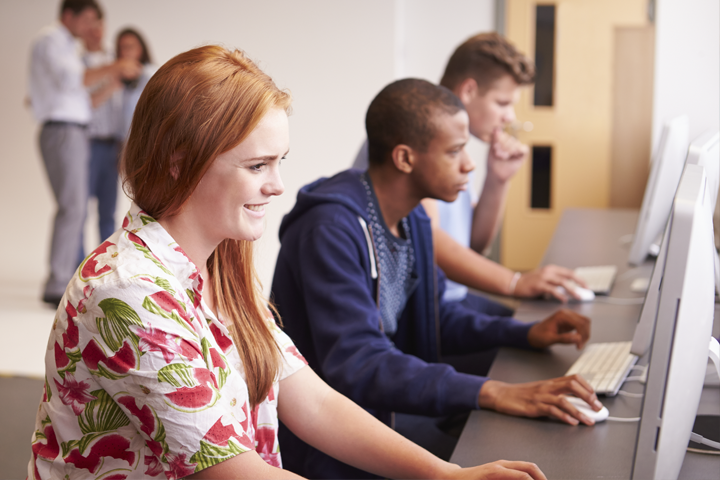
x,y
359,292
487,73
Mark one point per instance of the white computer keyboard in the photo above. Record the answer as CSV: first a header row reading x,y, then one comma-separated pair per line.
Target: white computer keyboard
x,y
605,366
599,279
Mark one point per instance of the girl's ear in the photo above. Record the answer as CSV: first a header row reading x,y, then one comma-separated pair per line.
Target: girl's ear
x,y
174,169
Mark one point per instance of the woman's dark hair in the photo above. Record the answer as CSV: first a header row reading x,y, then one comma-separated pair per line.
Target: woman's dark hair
x,y
145,57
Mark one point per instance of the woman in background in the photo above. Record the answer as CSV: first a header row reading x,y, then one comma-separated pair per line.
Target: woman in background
x,y
131,45
164,361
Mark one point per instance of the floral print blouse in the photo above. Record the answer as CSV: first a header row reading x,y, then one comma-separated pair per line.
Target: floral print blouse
x,y
142,380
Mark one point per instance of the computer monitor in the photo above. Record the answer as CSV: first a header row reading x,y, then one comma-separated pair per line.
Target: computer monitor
x,y
703,151
679,351
664,176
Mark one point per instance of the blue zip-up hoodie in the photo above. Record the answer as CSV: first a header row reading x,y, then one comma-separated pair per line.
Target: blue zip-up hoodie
x,y
325,288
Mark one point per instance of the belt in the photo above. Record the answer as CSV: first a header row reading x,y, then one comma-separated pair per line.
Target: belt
x,y
106,140
59,123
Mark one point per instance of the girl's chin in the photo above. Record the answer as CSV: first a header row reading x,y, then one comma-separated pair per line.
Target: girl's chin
x,y
250,236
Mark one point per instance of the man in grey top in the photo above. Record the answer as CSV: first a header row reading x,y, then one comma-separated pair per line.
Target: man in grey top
x,y
61,103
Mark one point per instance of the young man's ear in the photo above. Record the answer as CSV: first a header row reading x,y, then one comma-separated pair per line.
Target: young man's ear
x,y
403,157
467,90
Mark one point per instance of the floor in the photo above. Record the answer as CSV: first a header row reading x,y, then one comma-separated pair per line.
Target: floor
x,y
25,322
19,399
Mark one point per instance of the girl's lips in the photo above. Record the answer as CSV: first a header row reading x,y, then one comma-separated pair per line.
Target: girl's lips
x,y
255,210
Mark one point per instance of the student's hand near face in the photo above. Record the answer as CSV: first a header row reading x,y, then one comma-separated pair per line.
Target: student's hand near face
x,y
506,155
545,280
563,326
545,398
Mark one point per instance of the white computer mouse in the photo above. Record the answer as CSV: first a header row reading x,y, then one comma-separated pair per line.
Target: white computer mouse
x,y
585,294
580,404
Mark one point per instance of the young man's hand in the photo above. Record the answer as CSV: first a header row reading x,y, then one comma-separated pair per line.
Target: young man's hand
x,y
563,326
545,398
506,156
545,280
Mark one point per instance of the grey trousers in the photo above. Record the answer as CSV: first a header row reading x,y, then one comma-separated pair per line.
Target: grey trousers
x,y
65,150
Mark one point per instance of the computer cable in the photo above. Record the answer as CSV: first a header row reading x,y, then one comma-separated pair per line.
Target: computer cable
x,y
640,379
625,239
630,394
620,301
623,419
704,441
627,273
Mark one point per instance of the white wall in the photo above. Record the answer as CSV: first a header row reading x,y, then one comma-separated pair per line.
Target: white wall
x,y
430,34
687,64
334,56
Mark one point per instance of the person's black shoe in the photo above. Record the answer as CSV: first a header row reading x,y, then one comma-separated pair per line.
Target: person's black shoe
x,y
53,300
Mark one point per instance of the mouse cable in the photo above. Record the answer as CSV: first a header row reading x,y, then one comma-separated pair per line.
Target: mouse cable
x,y
630,394
627,273
639,378
623,419
697,438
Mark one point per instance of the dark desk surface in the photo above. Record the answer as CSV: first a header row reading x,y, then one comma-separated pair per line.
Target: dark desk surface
x,y
584,237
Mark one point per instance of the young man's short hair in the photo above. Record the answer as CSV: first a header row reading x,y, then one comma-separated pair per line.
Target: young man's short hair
x,y
77,6
485,58
403,114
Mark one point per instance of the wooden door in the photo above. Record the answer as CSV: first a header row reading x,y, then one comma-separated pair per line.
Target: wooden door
x,y
572,136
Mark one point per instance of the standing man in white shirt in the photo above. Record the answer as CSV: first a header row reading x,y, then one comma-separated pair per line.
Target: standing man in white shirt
x,y
61,103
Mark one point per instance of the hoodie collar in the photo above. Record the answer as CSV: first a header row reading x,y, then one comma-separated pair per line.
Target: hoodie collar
x,y
344,188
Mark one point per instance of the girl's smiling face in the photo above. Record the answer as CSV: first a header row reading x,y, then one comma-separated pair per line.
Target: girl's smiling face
x,y
230,200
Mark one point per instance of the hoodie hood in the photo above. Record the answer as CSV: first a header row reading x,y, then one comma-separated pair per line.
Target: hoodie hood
x,y
343,188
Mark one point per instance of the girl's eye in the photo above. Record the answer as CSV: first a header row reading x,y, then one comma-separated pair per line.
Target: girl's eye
x,y
258,167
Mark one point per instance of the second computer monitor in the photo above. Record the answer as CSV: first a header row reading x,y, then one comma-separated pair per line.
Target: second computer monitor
x,y
679,351
664,176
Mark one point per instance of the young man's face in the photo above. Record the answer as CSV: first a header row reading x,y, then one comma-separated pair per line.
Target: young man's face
x,y
82,24
441,171
494,108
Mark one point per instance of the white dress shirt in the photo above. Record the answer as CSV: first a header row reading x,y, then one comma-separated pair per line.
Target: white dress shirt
x,y
57,91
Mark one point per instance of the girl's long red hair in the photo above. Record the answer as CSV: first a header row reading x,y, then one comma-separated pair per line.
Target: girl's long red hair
x,y
198,105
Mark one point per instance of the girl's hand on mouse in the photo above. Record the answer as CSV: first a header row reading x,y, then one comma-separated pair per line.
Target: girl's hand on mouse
x,y
545,398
